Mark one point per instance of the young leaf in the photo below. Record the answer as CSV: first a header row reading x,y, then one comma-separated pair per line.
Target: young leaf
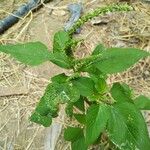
x,y
101,85
59,56
115,60
99,49
127,90
76,136
127,128
32,53
61,60
142,102
121,93
80,118
85,85
60,78
93,71
61,39
96,121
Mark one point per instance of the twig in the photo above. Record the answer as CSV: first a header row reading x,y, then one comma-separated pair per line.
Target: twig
x,y
8,91
31,141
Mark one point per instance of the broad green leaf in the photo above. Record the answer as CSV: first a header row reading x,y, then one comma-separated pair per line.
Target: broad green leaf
x,y
127,90
44,120
85,85
61,39
60,78
76,136
127,127
72,133
79,144
80,104
98,49
61,60
115,60
48,105
32,53
60,50
54,95
142,102
96,121
49,101
80,118
121,93
68,93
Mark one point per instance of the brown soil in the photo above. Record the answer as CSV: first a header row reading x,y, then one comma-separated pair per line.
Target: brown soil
x,y
121,30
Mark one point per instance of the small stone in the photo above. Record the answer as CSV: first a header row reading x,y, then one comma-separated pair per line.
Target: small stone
x,y
146,72
59,12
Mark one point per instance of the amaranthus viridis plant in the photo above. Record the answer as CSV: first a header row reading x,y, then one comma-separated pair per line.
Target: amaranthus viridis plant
x,y
108,116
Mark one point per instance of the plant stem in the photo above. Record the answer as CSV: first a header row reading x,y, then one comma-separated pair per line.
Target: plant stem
x,y
97,12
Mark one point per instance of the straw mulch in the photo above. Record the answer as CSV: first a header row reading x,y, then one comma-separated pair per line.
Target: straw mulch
x,y
21,86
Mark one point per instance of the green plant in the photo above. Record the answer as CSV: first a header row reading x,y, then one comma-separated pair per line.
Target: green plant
x,y
111,113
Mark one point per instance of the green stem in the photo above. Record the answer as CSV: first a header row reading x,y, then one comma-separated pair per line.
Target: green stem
x,y
97,12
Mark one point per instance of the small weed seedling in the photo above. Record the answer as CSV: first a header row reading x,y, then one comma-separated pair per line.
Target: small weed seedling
x,y
111,114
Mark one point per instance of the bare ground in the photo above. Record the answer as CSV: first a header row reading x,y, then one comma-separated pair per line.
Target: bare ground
x,y
21,86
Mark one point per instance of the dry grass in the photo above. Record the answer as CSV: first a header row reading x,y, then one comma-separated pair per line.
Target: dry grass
x,y
122,30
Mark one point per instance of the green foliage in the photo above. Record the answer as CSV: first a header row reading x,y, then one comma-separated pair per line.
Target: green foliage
x,y
100,85
61,40
54,95
71,134
76,136
60,78
98,49
80,104
120,94
85,86
32,53
61,60
97,12
61,50
103,112
40,119
115,60
126,127
80,118
69,110
142,102
96,121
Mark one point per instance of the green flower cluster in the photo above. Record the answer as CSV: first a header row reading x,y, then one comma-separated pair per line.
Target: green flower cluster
x,y
97,12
